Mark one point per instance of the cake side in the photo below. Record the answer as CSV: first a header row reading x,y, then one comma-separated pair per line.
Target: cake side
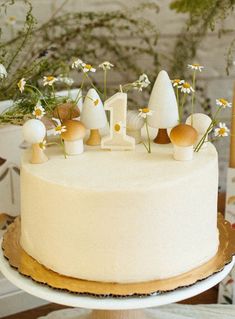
x,y
131,221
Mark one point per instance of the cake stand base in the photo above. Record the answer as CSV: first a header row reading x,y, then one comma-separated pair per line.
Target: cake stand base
x,y
97,314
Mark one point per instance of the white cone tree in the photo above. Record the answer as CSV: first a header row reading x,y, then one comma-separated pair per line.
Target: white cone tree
x,y
93,116
164,106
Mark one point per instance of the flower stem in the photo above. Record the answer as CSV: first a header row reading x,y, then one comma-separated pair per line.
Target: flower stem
x,y
105,84
193,96
181,108
147,129
210,127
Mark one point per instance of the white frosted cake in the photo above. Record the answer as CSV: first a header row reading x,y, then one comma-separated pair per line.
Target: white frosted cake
x,y
125,216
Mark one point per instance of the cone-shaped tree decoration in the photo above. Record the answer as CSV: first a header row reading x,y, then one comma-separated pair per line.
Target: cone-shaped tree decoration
x,y
164,106
93,116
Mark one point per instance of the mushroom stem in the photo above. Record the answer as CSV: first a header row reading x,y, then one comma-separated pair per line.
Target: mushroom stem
x,y
38,155
94,138
74,147
183,153
162,137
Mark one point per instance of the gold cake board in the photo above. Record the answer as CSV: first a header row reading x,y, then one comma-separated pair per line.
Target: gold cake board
x,y
28,266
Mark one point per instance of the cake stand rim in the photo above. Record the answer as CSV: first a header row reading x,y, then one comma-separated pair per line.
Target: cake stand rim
x,y
91,302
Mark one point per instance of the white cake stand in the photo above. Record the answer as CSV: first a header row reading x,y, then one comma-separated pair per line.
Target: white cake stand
x,y
106,308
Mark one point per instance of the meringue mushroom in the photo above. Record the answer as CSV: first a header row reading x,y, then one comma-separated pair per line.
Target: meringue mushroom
x,y
201,123
183,137
34,132
134,125
73,137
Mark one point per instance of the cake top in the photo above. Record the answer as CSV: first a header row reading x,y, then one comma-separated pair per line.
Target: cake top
x,y
97,169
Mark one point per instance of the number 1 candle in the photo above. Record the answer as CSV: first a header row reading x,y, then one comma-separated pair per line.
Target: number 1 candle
x,y
117,138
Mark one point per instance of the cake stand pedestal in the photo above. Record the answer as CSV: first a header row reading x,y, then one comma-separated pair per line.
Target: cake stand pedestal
x,y
106,308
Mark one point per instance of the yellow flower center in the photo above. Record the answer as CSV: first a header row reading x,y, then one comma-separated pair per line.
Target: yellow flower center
x,y
176,81
186,85
96,102
38,112
42,145
145,110
117,127
12,18
222,130
223,101
88,66
50,78
58,128
196,64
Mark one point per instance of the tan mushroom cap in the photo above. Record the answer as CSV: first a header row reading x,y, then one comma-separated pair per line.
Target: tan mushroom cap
x,y
183,135
66,111
75,130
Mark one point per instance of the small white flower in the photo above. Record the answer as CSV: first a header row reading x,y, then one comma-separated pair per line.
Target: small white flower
x,y
77,63
3,71
185,87
222,130
87,68
43,145
224,103
144,112
118,127
11,20
59,128
106,65
64,79
21,84
39,111
141,83
176,82
49,80
196,66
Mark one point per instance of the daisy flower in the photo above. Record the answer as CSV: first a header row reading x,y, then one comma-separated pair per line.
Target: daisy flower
x,y
176,82
144,112
11,20
221,131
43,145
77,63
3,71
87,68
224,103
196,67
59,128
49,80
106,65
39,111
118,127
186,87
21,84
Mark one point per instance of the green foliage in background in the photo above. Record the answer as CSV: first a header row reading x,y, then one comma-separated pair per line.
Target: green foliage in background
x,y
37,50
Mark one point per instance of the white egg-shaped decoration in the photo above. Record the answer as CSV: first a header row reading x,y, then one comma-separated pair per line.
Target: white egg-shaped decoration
x,y
200,122
134,121
34,131
134,124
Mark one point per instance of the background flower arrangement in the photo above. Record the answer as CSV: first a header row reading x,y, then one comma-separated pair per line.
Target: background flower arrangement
x,y
94,34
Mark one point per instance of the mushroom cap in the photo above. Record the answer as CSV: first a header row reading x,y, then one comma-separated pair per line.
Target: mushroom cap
x,y
201,122
34,131
75,130
183,135
134,121
66,111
